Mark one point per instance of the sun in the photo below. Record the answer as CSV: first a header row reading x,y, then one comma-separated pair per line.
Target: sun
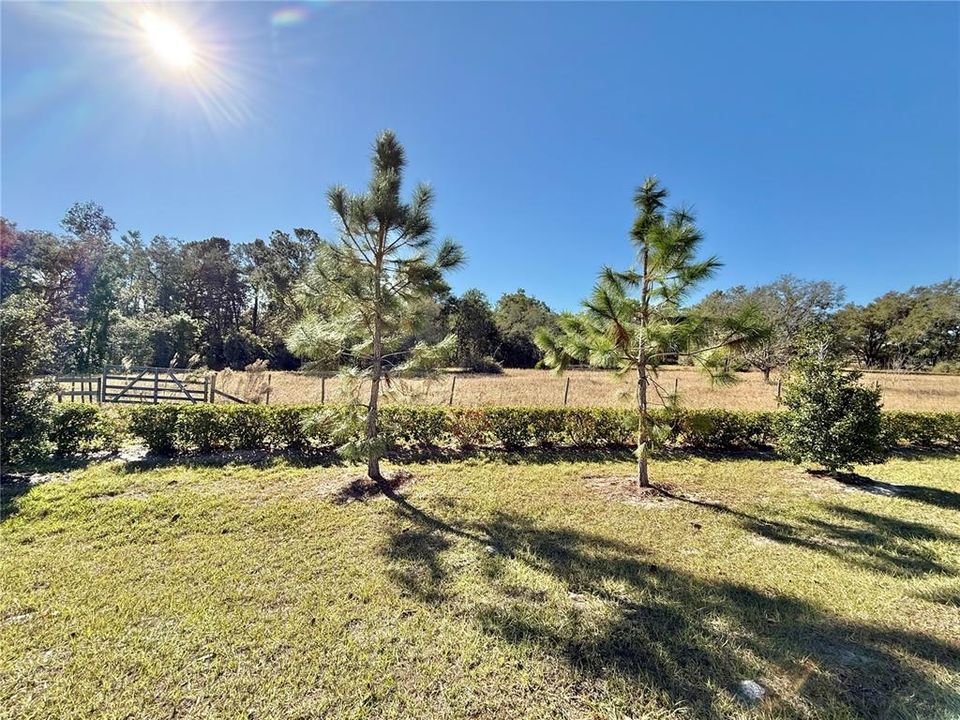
x,y
168,41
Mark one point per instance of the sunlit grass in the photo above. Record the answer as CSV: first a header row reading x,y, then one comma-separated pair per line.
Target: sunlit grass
x,y
493,590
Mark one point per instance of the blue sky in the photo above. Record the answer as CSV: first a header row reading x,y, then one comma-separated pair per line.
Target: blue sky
x,y
819,139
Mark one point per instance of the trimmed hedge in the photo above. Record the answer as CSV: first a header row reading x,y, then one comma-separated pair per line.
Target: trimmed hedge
x,y
81,429
178,429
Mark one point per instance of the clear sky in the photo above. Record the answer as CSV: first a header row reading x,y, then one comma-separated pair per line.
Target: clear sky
x,y
820,139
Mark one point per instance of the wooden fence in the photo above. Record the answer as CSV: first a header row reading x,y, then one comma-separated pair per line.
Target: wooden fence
x,y
152,385
82,388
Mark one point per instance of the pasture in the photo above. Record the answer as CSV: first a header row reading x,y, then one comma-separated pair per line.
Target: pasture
x,y
488,588
591,388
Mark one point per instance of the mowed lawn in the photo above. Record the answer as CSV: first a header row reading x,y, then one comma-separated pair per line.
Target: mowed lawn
x,y
490,590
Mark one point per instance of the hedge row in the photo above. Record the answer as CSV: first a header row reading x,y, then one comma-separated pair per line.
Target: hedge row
x,y
175,429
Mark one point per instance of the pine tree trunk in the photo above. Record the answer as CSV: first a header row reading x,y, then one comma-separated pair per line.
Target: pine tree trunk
x,y
643,430
373,456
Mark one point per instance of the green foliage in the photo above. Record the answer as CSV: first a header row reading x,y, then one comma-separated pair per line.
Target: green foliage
x,y
80,429
917,329
468,427
921,429
510,426
25,406
831,418
518,316
789,306
725,429
476,331
415,425
368,288
183,428
634,320
155,426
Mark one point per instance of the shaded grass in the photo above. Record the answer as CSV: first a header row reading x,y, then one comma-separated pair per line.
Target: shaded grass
x,y
482,589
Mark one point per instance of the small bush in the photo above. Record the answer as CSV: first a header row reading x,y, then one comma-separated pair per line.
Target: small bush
x,y
921,429
415,425
486,365
509,426
469,427
156,426
78,429
598,427
724,429
831,419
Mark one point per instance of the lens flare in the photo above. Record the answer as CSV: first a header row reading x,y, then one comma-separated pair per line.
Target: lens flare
x,y
167,40
288,16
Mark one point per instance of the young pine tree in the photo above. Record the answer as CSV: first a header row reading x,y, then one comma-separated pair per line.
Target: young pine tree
x,y
634,320
366,287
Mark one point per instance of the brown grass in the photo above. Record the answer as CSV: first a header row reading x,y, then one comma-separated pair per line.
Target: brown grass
x,y
589,388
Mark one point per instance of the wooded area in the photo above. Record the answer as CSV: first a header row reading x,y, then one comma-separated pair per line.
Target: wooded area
x,y
103,298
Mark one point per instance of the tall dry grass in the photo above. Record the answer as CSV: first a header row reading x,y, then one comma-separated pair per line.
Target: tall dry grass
x,y
586,388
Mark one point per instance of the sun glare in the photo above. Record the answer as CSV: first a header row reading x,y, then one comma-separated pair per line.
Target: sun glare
x,y
169,43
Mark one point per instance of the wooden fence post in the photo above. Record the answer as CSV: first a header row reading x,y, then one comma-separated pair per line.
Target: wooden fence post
x,y
676,385
453,387
103,385
323,389
566,391
213,388
267,402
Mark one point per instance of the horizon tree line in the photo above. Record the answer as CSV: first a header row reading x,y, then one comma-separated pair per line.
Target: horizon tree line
x,y
216,303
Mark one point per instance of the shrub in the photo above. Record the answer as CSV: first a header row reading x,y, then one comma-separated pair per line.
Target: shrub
x,y
831,419
156,426
204,428
468,427
510,426
417,425
725,429
210,428
921,429
78,429
597,427
290,431
26,345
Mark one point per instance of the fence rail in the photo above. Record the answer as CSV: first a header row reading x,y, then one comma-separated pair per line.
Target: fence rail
x,y
139,385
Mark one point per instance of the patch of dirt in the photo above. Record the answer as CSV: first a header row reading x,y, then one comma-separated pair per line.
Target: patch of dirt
x,y
623,488
362,488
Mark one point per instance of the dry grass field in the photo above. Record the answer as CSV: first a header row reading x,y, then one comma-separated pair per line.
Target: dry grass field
x,y
589,388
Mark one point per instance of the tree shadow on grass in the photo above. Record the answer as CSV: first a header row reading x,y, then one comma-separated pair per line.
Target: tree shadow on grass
x,y
625,622
938,497
870,540
11,490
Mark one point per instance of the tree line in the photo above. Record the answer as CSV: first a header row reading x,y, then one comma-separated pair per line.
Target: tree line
x,y
103,298
98,298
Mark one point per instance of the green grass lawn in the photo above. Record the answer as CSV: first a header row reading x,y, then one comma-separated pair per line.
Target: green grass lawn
x,y
490,589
